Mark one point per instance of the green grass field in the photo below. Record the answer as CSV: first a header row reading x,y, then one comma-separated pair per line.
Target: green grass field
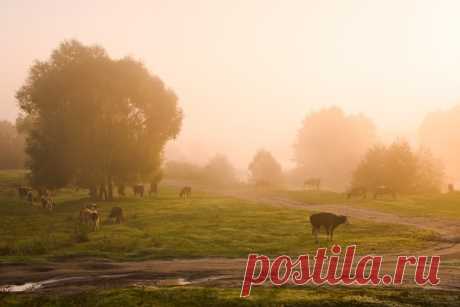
x,y
169,227
202,297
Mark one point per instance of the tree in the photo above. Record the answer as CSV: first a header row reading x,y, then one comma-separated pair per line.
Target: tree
x,y
12,154
95,120
265,169
330,144
219,171
398,168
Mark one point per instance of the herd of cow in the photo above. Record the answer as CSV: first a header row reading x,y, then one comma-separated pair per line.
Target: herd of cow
x,y
43,197
89,214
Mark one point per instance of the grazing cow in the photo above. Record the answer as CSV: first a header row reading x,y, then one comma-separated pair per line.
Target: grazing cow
x,y
186,192
23,191
138,190
384,190
357,191
312,183
329,220
116,214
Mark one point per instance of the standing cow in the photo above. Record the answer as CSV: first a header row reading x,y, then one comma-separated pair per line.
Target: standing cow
x,y
357,191
138,190
312,183
186,192
330,221
116,215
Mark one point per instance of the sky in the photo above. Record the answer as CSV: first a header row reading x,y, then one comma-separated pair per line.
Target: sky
x,y
248,71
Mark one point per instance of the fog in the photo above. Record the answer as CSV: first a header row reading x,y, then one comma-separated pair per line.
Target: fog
x,y
247,73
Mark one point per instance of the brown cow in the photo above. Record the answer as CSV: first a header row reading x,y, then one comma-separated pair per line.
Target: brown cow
x,y
312,183
138,190
330,221
186,192
116,214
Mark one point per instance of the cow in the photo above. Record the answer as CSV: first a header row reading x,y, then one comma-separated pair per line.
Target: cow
x,y
330,221
312,183
138,190
116,214
384,190
89,216
186,192
357,191
47,203
94,220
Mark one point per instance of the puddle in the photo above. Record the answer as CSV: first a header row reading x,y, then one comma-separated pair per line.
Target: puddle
x,y
172,282
32,286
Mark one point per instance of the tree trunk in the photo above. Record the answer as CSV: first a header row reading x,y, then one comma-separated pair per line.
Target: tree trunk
x,y
110,185
93,192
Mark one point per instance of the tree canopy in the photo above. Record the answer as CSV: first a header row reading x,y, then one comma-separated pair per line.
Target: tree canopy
x,y
95,120
399,168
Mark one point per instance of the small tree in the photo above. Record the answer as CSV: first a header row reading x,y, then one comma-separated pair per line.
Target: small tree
x,y
265,169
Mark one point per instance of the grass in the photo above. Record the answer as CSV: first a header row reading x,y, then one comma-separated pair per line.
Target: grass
x,y
195,296
168,227
434,205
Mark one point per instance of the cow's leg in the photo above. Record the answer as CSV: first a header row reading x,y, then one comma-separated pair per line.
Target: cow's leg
x,y
314,232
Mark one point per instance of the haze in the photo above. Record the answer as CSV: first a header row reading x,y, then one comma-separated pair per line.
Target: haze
x,y
247,72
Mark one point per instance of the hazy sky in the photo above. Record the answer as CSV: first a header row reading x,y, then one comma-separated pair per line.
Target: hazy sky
x,y
248,71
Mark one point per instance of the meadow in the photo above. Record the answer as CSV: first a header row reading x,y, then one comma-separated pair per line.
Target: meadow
x,y
285,297
166,227
205,226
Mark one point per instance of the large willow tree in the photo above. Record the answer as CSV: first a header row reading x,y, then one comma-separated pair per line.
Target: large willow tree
x,y
94,120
